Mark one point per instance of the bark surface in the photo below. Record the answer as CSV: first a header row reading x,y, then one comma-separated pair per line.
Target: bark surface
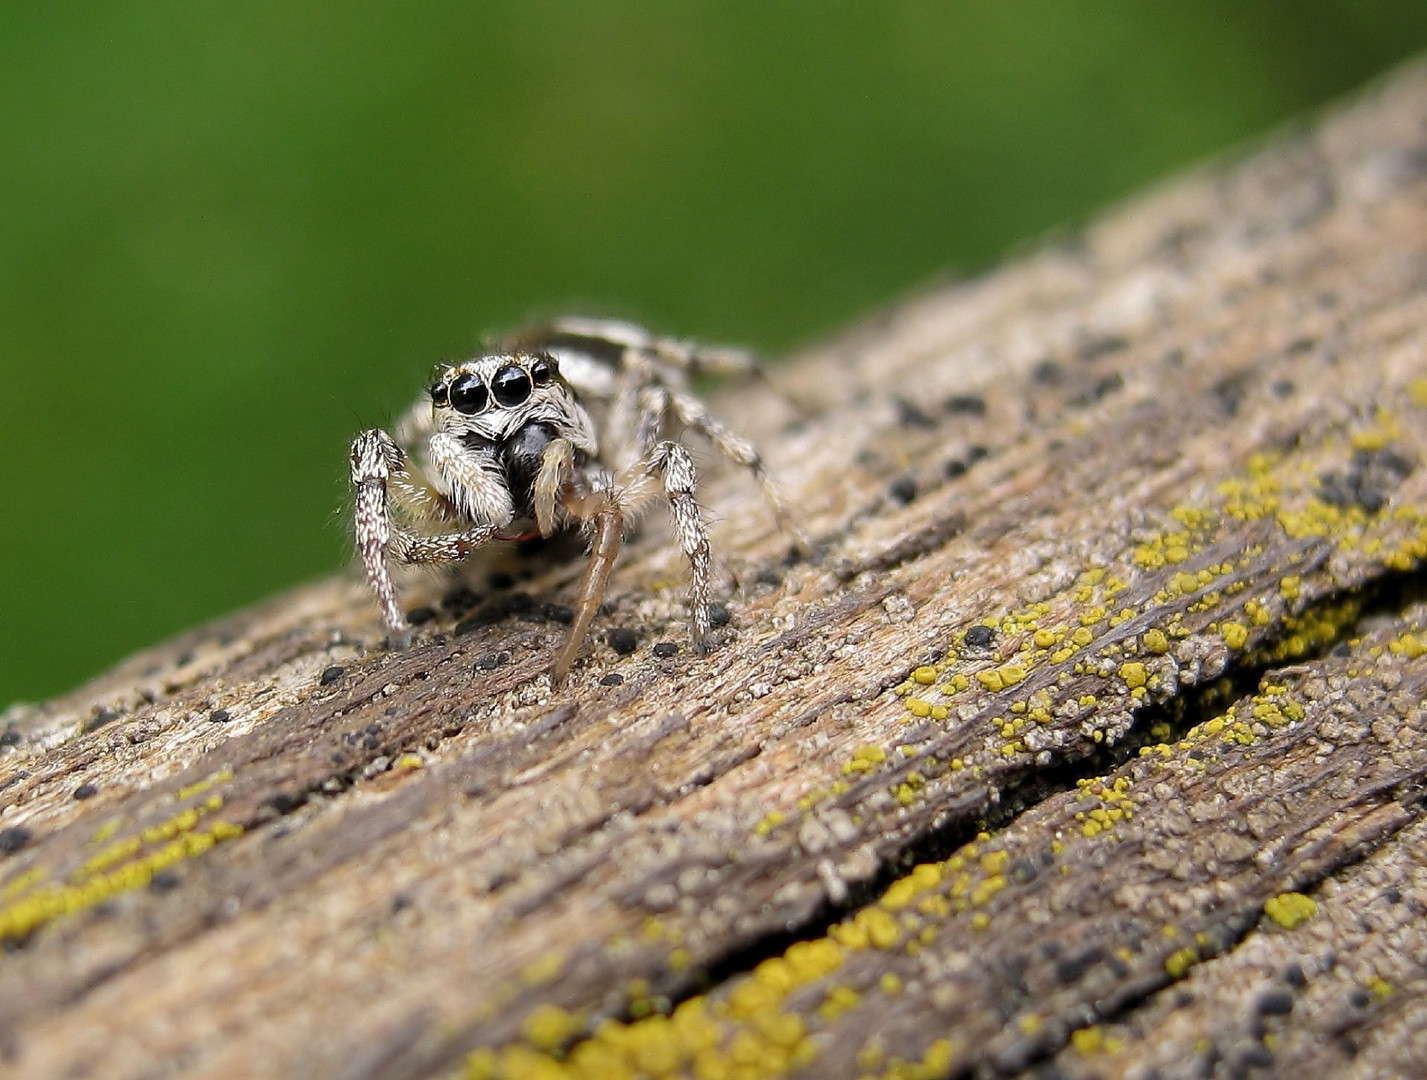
x,y
1092,746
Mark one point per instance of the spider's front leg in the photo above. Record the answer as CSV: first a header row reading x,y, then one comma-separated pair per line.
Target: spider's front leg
x,y
379,476
374,453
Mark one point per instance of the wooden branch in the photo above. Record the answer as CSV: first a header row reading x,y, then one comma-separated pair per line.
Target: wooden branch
x,y
1094,743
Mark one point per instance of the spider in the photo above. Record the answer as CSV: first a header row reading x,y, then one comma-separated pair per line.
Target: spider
x,y
573,424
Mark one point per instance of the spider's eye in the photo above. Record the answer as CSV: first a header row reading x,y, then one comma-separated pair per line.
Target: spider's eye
x,y
511,385
543,370
469,395
438,395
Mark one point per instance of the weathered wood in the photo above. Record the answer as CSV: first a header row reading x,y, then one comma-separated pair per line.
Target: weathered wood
x,y
1088,506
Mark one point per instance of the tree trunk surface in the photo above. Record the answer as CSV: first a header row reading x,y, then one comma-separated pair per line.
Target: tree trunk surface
x,y
1093,744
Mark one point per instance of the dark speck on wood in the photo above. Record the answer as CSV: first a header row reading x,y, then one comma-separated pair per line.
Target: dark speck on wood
x,y
622,640
908,415
903,490
460,600
979,637
966,405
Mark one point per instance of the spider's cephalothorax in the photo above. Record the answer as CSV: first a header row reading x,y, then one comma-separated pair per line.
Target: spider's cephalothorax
x,y
571,424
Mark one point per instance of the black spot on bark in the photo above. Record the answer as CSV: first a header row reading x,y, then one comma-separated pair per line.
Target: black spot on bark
x,y
908,415
460,600
558,613
980,637
966,405
419,616
1274,1003
1047,373
903,490
622,640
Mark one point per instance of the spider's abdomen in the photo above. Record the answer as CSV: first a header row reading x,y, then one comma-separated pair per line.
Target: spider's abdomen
x,y
521,455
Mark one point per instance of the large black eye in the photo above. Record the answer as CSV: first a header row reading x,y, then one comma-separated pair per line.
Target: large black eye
x,y
543,370
511,385
438,394
469,395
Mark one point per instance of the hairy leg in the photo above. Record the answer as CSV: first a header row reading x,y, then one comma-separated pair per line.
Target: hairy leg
x,y
673,465
602,336
373,455
740,451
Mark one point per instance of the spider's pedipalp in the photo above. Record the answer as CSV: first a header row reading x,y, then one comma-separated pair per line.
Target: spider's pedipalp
x,y
556,470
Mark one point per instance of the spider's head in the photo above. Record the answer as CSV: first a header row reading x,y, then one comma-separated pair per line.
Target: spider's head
x,y
495,394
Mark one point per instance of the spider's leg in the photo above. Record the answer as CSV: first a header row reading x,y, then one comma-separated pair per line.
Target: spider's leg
x,y
603,516
651,422
672,463
699,359
620,432
614,342
375,455
693,414
695,358
441,547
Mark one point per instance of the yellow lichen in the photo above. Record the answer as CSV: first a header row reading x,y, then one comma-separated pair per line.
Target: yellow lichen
x,y
121,869
1180,961
548,1026
1134,673
1290,909
1235,635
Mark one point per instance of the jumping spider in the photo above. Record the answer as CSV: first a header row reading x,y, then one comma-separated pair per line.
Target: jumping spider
x,y
573,424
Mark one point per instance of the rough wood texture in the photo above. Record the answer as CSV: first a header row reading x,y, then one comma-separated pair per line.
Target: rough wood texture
x,y
1121,548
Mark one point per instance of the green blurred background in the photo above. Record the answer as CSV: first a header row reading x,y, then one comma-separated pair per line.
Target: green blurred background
x,y
232,234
